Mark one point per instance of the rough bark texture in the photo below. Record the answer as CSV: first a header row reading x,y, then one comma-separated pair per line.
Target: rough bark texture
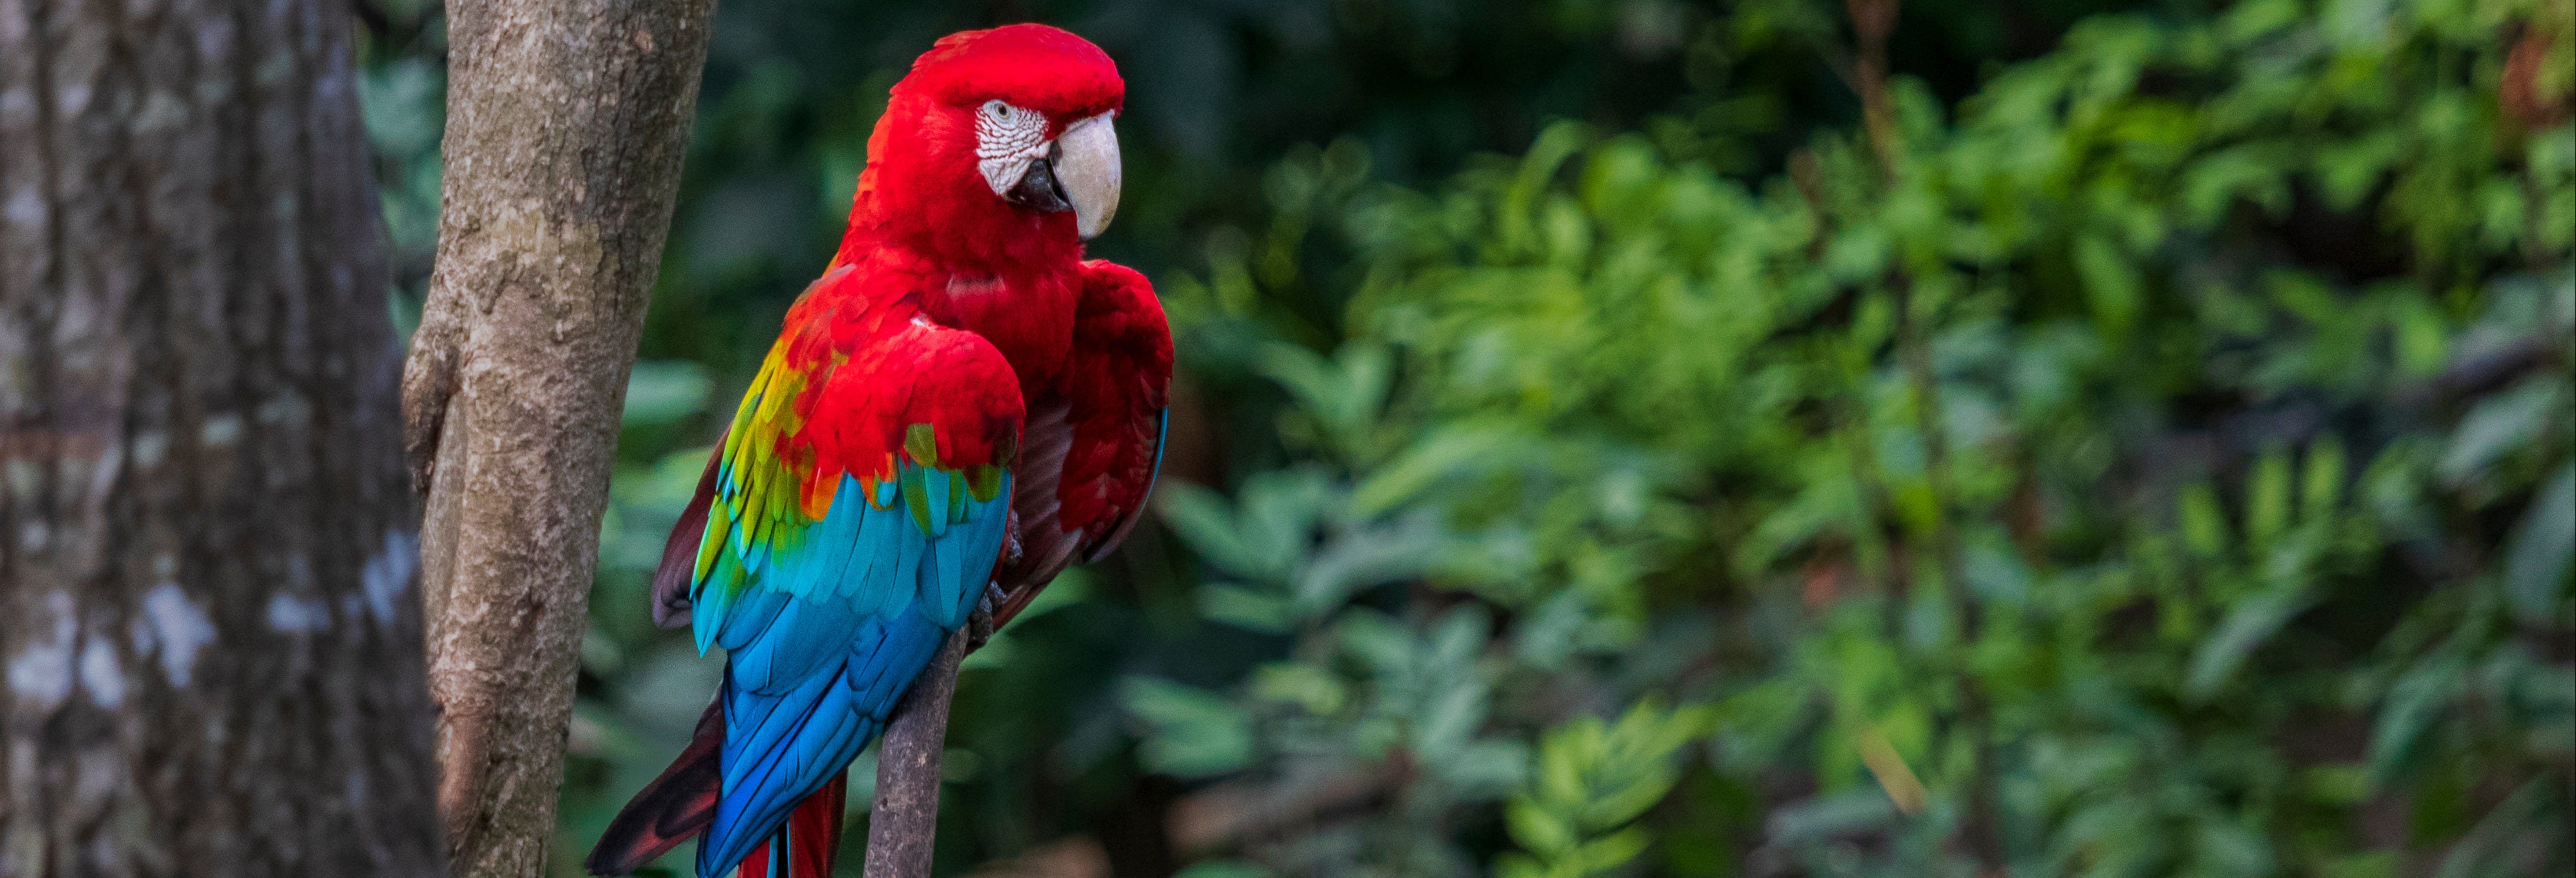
x,y
206,549
903,822
565,127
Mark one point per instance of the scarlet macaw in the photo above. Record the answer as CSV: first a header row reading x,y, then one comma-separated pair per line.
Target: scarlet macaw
x,y
956,410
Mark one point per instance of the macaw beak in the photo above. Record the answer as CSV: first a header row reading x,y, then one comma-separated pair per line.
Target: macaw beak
x,y
1080,173
1087,165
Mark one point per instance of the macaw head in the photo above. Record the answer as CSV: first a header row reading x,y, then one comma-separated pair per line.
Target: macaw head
x,y
998,145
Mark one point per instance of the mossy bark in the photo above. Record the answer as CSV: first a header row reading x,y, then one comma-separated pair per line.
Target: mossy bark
x,y
207,615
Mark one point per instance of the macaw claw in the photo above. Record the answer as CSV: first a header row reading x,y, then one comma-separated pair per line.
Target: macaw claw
x,y
1011,548
979,622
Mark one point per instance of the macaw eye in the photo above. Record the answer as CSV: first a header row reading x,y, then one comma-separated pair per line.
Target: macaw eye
x,y
1007,139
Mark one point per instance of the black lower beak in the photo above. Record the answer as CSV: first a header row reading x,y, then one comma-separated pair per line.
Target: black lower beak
x,y
1038,188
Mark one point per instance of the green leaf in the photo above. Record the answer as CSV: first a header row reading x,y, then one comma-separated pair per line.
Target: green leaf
x,y
2543,547
1307,686
2248,21
1344,393
2491,847
2348,171
1612,851
1824,817
1539,830
2111,283
2321,479
1191,733
1625,802
1436,456
2247,627
661,392
2413,707
1245,607
1517,865
1205,522
2497,426
2227,847
2267,499
2204,521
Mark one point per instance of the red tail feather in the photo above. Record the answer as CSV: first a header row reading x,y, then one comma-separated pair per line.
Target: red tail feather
x,y
672,809
814,830
678,805
812,834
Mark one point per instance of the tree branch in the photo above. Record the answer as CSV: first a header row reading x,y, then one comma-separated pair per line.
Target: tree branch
x,y
1872,22
566,126
904,820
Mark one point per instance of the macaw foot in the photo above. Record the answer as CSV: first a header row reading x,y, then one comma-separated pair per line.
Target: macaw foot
x,y
979,621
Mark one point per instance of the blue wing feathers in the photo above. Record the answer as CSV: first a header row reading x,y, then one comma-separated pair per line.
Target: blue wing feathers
x,y
807,634
713,609
828,628
748,617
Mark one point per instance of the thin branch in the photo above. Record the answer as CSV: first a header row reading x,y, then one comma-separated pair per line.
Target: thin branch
x,y
904,820
1872,22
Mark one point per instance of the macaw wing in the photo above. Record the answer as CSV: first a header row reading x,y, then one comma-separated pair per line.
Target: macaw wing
x,y
678,570
854,514
1123,519
1092,453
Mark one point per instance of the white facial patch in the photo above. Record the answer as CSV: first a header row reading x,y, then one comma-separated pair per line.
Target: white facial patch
x,y
1007,139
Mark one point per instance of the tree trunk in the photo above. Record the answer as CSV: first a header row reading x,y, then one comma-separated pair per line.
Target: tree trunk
x,y
206,549
565,127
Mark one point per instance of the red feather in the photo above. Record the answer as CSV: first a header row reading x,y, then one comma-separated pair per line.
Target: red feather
x,y
1088,449
814,829
680,552
1119,383
672,809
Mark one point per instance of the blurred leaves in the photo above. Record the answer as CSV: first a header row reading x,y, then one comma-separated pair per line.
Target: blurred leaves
x,y
2231,463
1191,733
1592,781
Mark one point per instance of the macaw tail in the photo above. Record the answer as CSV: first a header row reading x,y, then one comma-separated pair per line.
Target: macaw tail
x,y
678,805
672,809
811,836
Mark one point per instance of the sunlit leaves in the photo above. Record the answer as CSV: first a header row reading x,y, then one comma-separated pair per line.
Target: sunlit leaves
x,y
1592,781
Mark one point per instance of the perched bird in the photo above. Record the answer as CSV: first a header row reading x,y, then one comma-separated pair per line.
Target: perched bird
x,y
957,409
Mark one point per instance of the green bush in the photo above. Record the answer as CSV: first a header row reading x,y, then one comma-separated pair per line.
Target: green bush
x,y
2157,463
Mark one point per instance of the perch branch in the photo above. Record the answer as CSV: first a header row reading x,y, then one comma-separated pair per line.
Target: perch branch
x,y
904,819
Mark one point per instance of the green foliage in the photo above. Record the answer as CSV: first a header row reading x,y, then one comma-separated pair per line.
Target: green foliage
x,y
2137,468
1592,781
1190,733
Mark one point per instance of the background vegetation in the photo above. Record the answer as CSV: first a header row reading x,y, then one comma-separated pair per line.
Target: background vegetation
x,y
1656,438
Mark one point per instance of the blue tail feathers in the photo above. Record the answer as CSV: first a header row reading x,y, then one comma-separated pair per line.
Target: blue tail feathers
x,y
781,746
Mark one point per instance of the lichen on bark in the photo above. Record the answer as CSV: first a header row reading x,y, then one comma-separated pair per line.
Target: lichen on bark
x,y
208,618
